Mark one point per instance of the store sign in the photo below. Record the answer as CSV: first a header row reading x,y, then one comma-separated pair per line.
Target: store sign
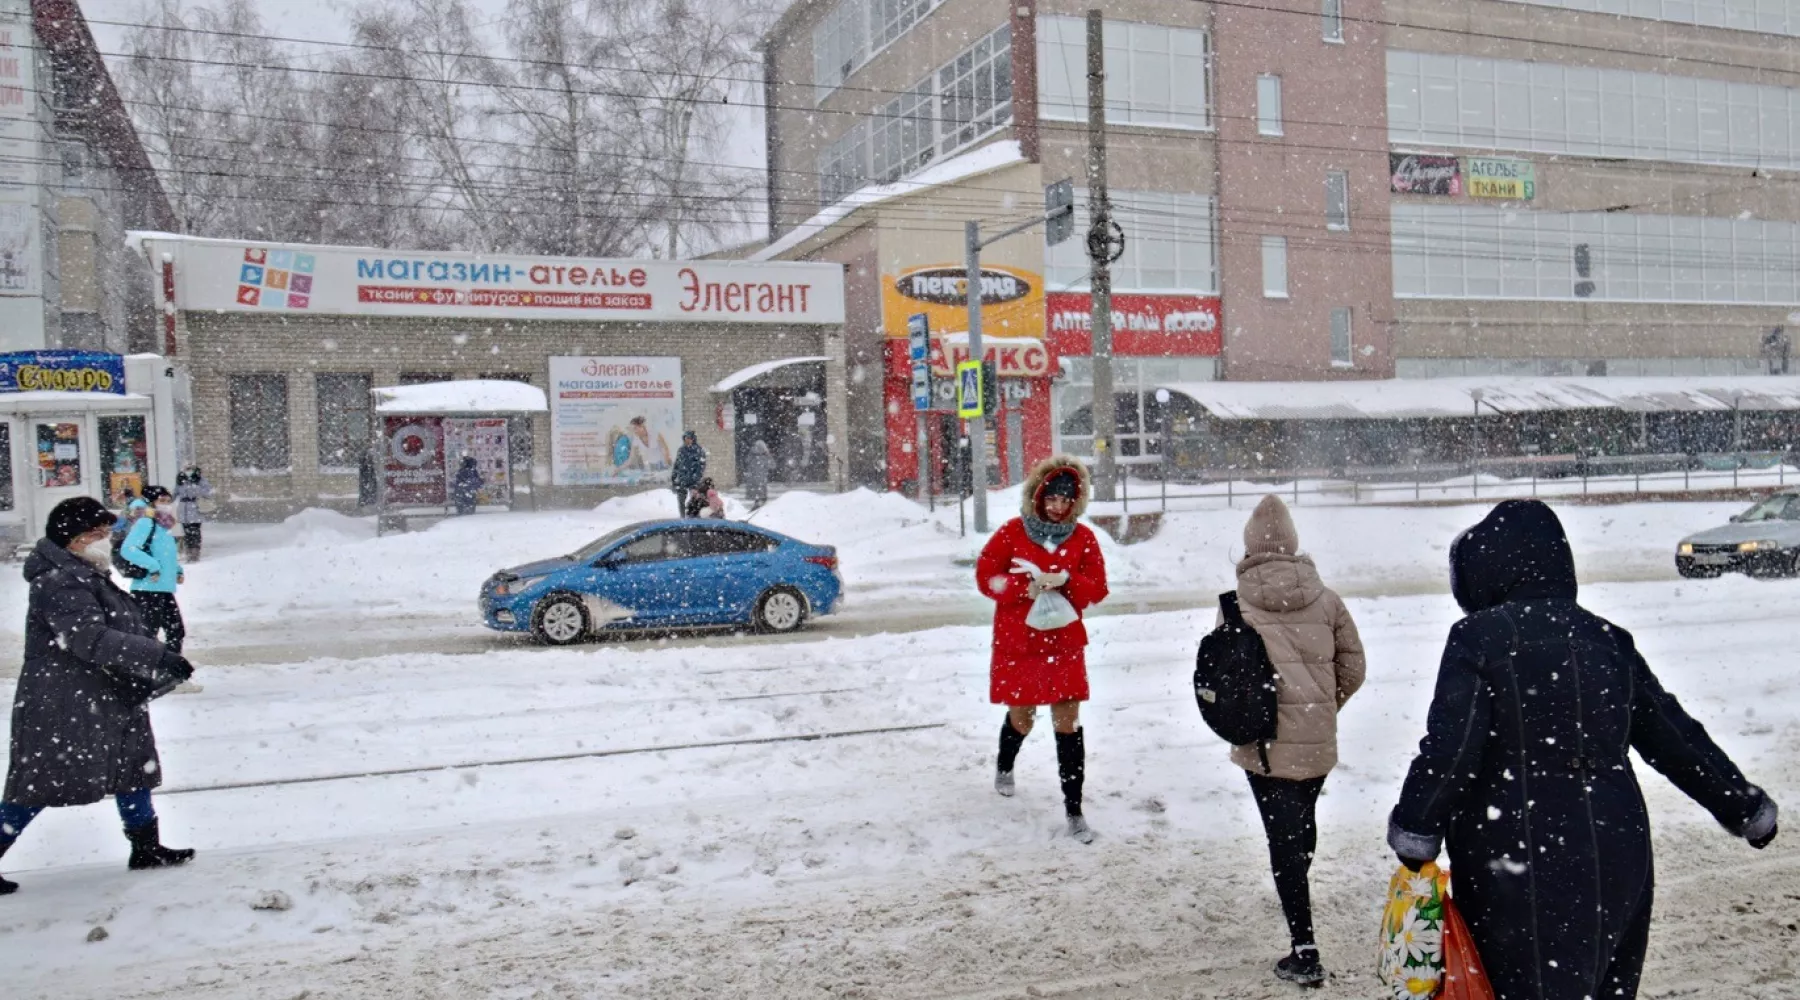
x,y
346,281
1416,174
614,421
1511,180
1012,301
62,371
1013,357
1175,325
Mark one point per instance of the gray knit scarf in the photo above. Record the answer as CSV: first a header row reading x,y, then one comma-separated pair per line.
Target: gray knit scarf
x,y
1049,534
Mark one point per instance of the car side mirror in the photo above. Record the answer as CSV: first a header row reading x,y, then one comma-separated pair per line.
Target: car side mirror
x,y
1737,519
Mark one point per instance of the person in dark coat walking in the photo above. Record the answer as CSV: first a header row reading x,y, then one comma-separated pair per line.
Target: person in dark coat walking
x,y
1046,549
81,714
689,470
1525,770
190,488
757,469
465,487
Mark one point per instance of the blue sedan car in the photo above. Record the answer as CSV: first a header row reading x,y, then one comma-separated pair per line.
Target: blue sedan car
x,y
667,574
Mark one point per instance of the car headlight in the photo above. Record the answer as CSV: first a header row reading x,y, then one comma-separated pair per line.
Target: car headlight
x,y
512,587
1761,546
1686,549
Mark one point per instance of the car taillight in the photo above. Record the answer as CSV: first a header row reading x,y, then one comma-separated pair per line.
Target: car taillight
x,y
829,562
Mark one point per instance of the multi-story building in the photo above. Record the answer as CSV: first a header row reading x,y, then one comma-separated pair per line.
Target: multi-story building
x,y
1309,190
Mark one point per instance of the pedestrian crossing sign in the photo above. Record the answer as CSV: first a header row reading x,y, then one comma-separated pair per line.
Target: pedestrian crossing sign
x,y
968,390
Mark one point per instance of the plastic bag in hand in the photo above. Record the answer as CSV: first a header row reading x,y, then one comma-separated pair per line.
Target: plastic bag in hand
x,y
1051,611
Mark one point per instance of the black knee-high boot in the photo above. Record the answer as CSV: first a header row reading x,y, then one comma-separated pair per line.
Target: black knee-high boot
x,y
1010,742
1071,767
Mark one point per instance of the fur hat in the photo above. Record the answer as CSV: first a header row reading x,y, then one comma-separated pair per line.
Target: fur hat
x,y
1271,530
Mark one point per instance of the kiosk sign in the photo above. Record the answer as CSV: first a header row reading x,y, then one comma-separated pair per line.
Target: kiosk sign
x,y
62,371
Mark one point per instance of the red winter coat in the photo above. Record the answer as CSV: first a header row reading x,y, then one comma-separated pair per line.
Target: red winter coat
x,y
1033,667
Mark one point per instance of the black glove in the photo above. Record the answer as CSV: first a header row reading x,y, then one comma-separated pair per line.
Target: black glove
x,y
1767,838
177,665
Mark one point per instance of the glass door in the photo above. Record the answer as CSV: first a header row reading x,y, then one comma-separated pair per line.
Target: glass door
x,y
62,456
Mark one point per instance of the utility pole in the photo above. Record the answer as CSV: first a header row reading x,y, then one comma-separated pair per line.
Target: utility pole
x,y
978,426
1100,252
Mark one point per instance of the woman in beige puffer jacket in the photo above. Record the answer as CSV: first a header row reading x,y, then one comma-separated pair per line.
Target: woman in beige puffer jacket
x,y
1318,656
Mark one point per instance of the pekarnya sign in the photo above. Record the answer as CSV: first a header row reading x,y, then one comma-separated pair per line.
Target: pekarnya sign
x,y
1012,301
231,276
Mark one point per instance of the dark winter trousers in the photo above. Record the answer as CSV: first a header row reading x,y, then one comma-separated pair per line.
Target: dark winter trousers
x,y
191,537
135,810
163,616
1287,815
1071,761
681,499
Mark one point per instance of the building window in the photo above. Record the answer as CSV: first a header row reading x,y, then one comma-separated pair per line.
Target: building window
x,y
1769,17
1155,75
975,91
259,423
904,138
1340,339
1337,199
1268,104
854,31
843,166
1331,16
1171,245
343,404
1275,267
1441,100
425,378
1139,417
1477,252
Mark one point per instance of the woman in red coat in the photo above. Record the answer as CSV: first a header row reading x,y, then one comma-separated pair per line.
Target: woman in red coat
x,y
1045,549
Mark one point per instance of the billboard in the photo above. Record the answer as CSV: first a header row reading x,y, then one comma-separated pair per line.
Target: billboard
x,y
1511,180
1012,300
1142,324
614,421
1415,173
415,462
233,276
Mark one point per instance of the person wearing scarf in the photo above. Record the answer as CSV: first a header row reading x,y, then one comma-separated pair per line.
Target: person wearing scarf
x,y
1046,549
151,547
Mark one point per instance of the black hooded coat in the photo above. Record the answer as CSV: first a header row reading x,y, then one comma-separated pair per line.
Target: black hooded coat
x,y
1525,770
81,715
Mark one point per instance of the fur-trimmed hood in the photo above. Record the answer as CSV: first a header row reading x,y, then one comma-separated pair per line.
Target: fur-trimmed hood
x,y
1041,474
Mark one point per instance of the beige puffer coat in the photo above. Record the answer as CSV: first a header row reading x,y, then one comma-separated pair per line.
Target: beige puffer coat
x,y
1311,639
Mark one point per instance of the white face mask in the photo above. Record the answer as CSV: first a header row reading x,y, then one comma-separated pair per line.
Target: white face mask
x,y
97,555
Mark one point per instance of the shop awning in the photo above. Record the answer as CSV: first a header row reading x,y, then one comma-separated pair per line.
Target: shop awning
x,y
1401,399
741,378
71,402
470,396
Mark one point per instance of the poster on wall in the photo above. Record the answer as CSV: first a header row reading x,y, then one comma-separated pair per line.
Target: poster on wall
x,y
484,440
614,421
59,455
415,461
1413,173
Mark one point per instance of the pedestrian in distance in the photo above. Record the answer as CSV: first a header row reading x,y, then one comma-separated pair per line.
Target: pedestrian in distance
x,y
1525,770
689,470
465,488
757,470
1317,654
705,502
1046,550
81,713
191,487
151,559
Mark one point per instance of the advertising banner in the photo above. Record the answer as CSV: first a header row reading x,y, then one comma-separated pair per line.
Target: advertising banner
x,y
1013,357
1413,173
232,276
1012,300
1511,180
1143,325
62,371
614,421
486,441
415,462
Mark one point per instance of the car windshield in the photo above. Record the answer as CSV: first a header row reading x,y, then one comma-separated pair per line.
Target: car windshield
x,y
604,542
1773,509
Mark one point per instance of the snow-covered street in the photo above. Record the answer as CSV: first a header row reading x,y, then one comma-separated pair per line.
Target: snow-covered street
x,y
455,814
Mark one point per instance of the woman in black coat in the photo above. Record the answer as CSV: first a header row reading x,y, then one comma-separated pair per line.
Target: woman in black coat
x,y
1526,771
81,715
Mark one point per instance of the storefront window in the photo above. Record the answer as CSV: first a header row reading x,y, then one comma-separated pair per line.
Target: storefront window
x,y
259,423
124,457
1139,416
343,421
59,455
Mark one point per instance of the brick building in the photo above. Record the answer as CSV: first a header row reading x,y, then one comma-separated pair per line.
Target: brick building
x,y
284,344
1310,189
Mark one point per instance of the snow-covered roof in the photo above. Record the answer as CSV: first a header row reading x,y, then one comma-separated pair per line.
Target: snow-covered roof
x,y
974,163
760,369
1396,399
469,396
45,401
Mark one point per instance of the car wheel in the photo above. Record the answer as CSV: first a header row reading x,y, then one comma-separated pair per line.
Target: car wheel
x,y
779,610
560,620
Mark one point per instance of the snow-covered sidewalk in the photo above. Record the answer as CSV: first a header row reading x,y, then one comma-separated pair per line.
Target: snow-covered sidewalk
x,y
862,866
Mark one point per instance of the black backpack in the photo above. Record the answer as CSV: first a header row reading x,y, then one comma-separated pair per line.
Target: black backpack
x,y
128,569
1234,682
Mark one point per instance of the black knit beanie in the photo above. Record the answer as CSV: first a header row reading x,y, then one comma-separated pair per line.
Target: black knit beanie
x,y
76,516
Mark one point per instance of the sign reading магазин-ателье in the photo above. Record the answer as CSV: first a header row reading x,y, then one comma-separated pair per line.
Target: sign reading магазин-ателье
x,y
233,276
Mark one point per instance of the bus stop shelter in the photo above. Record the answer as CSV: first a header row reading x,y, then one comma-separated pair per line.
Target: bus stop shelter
x,y
422,433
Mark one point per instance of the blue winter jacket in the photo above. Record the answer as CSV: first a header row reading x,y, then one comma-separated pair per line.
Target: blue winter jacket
x,y
163,561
